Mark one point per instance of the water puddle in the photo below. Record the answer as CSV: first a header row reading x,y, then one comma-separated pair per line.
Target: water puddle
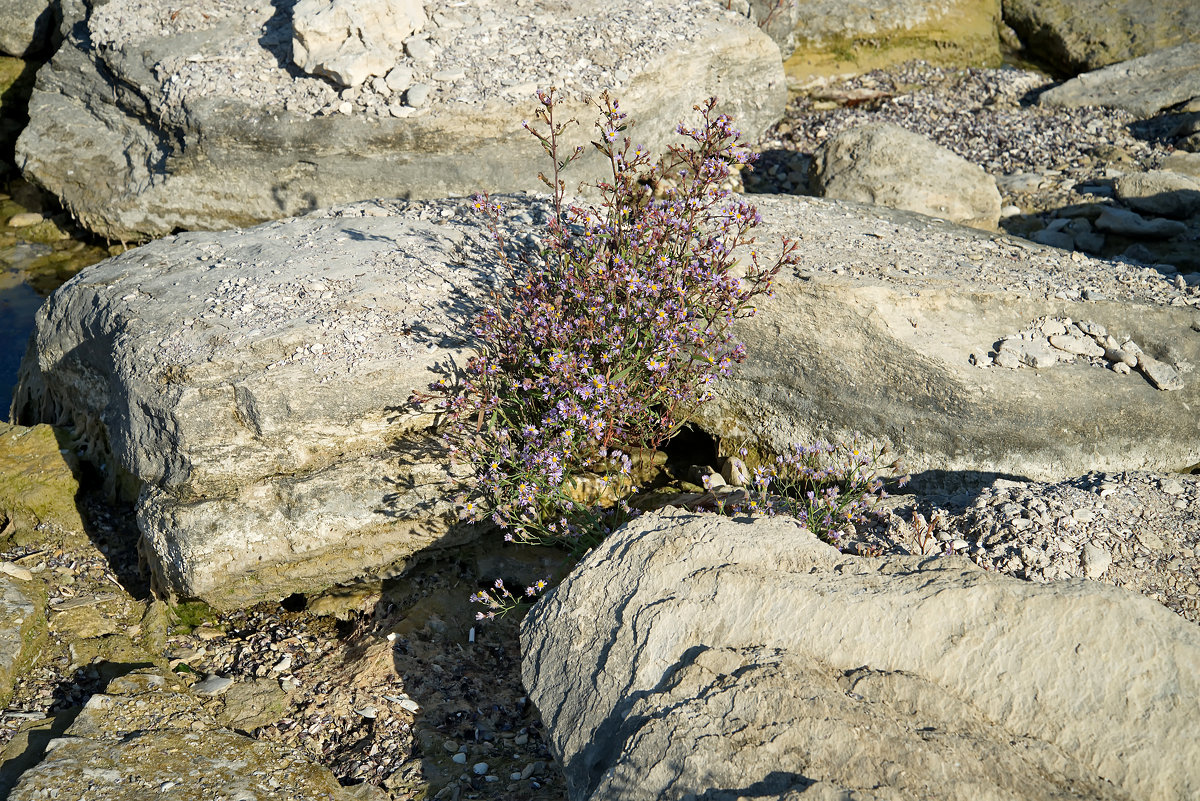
x,y
37,256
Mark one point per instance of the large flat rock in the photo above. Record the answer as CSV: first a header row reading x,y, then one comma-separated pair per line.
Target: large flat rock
x,y
694,654
875,331
1081,35
1142,86
192,116
251,388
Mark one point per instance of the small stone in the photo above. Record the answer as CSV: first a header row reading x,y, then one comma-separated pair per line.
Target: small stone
x,y
1162,375
449,75
399,79
527,771
1149,540
213,685
734,472
480,768
451,746
1053,328
1118,356
514,777
368,712
1171,487
16,571
1080,346
1083,515
1122,369
419,49
1007,359
417,95
521,739
24,219
345,107
959,544
460,758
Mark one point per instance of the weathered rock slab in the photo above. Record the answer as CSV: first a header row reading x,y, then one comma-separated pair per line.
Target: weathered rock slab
x,y
141,738
874,332
697,654
832,37
252,387
1082,35
22,627
143,124
1142,86
890,166
38,480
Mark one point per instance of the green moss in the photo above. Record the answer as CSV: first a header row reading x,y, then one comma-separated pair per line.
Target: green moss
x,y
190,614
38,480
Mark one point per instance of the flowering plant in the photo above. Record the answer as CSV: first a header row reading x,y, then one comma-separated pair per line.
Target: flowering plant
x,y
610,336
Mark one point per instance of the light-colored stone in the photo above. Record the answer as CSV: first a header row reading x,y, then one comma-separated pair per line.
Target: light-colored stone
x,y
1095,560
1159,373
350,41
251,389
220,134
886,353
662,667
1161,193
1141,86
24,219
1081,35
885,164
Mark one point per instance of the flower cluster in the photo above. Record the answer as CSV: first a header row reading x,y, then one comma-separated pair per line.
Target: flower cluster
x,y
499,600
828,487
608,339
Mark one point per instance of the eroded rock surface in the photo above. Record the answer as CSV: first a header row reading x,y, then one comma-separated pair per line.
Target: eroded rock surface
x,y
22,624
193,116
876,329
661,669
141,738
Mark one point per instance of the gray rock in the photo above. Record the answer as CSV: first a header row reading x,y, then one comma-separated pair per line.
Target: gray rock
x,y
1082,35
350,41
1161,193
25,26
1128,223
143,124
22,628
661,669
1088,242
1160,374
887,165
212,685
886,353
250,388
1055,239
1142,86
141,740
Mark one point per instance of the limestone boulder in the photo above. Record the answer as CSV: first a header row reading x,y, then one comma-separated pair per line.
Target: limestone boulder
x,y
885,164
832,37
698,656
1081,35
251,390
25,26
22,624
143,737
892,324
144,123
350,41
1142,86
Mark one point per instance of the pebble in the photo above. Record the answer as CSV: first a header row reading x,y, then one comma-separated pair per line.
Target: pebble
x,y
212,685
16,571
480,768
1171,487
460,758
417,95
24,219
